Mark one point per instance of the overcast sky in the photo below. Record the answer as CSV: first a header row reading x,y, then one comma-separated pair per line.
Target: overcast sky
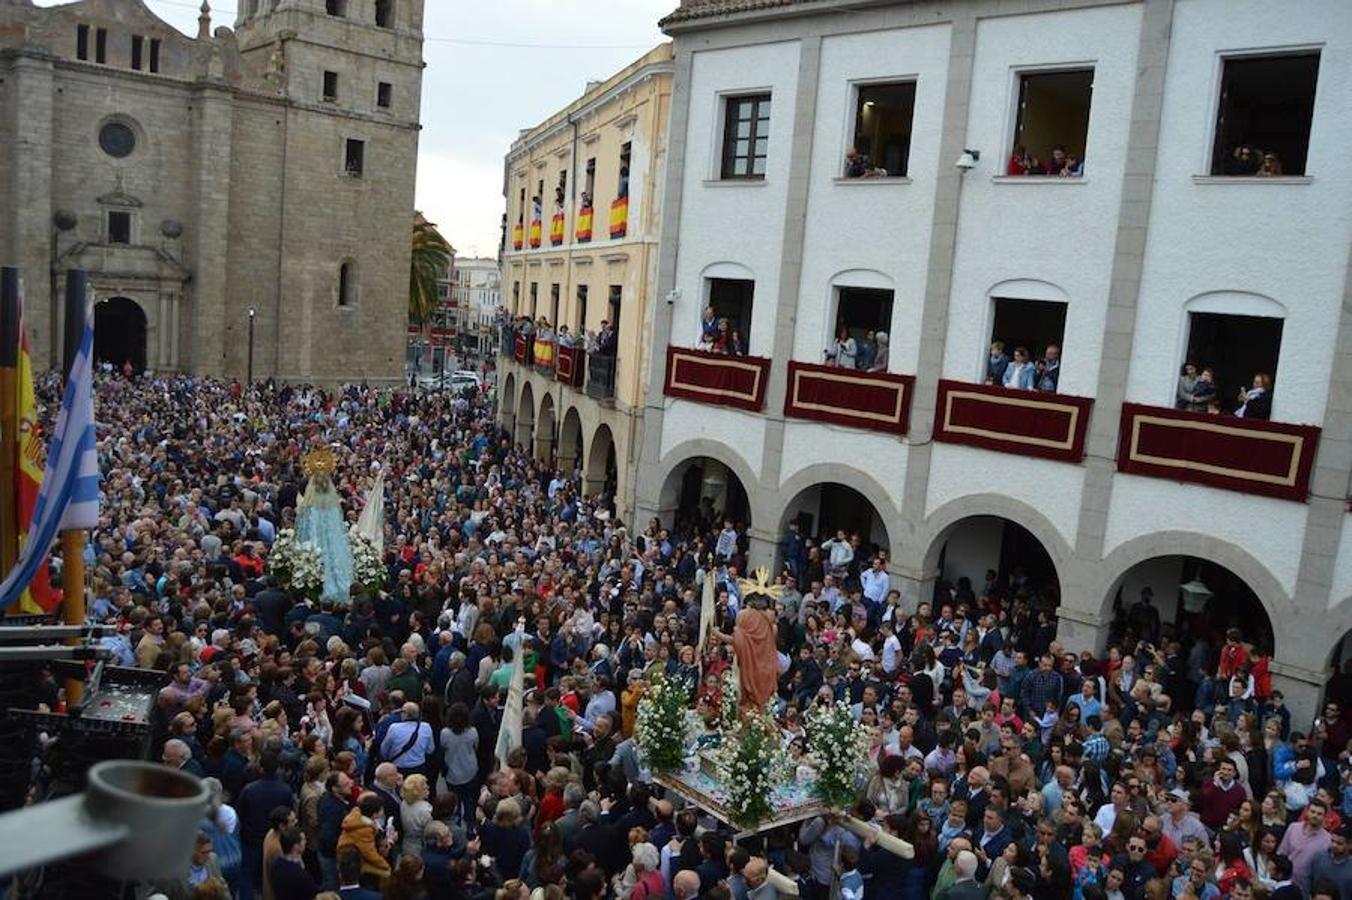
x,y
477,93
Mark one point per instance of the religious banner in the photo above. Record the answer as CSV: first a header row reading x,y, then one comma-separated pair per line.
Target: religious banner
x,y
619,218
582,231
1236,454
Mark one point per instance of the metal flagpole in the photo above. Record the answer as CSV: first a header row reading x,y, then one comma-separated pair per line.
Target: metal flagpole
x,y
73,539
9,418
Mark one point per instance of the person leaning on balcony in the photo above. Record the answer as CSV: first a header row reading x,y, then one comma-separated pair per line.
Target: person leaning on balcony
x,y
566,339
843,351
708,329
1204,391
997,364
1187,383
880,353
1049,375
607,341
1021,372
1256,402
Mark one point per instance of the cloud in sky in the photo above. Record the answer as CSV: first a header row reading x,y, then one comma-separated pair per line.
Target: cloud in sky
x,y
477,95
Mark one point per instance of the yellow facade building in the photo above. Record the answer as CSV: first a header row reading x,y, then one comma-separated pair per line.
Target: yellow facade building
x,y
583,192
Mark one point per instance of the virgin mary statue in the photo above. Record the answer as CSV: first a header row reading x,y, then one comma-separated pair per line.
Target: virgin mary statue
x,y
319,521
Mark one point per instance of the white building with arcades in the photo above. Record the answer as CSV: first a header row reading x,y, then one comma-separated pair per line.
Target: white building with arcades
x,y
1138,185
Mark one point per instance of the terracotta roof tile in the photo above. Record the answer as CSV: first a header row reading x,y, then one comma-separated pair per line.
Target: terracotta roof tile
x,y
691,10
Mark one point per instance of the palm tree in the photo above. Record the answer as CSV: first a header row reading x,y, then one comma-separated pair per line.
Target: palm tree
x,y
431,260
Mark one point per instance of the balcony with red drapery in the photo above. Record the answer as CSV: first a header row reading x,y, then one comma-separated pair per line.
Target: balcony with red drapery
x,y
1026,423
876,401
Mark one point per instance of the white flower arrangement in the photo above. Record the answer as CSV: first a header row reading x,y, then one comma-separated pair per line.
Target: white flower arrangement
x,y
663,725
729,698
837,748
368,569
752,760
297,566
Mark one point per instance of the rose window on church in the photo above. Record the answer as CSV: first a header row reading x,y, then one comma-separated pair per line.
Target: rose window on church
x,y
117,140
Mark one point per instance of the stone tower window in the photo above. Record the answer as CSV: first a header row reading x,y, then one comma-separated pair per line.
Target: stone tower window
x,y
347,284
336,8
138,54
330,86
82,42
354,158
117,140
119,227
384,94
385,13
101,45
154,54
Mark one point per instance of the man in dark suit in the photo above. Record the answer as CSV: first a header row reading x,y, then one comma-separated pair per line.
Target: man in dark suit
x,y
993,837
288,876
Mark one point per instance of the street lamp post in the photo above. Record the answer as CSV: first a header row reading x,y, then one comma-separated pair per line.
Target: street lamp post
x,y
253,314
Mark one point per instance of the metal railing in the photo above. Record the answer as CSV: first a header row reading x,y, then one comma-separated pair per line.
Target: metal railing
x,y
601,376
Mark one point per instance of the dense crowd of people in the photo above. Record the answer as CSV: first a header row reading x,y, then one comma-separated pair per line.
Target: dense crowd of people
x,y
351,747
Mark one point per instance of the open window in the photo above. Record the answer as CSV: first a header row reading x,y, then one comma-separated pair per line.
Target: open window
x,y
746,136
154,54
1052,126
1028,333
731,299
101,45
336,8
354,157
119,227
330,86
1235,349
882,130
534,300
138,47
1266,106
582,290
554,306
384,13
516,298
614,301
626,154
82,42
589,184
384,94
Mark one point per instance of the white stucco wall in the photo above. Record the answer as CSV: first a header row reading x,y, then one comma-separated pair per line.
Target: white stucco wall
x,y
1284,240
872,224
736,221
743,434
1053,489
1061,231
1342,570
884,458
1270,530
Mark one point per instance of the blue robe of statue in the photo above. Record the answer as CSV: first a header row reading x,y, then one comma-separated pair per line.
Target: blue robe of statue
x,y
319,521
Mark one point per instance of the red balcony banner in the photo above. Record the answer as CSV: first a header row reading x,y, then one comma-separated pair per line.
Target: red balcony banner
x,y
715,378
1027,423
1246,455
519,349
619,218
556,229
570,366
518,238
582,230
535,233
877,401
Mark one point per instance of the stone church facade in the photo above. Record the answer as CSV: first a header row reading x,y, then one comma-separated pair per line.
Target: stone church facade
x,y
263,171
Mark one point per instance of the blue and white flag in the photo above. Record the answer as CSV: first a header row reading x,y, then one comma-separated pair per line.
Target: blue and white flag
x,y
70,484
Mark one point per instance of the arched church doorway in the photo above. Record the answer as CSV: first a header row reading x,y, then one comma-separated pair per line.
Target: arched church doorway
x,y
120,333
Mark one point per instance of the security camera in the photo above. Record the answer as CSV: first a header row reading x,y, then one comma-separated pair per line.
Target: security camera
x,y
672,296
968,159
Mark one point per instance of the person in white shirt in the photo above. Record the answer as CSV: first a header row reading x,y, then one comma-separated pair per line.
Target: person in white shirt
x,y
841,553
891,649
875,582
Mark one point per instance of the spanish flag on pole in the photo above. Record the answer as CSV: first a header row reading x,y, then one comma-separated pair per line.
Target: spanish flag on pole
x,y
39,597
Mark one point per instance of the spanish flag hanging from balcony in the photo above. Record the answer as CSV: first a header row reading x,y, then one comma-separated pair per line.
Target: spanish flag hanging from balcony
x,y
518,236
535,230
544,353
619,217
556,229
38,598
582,231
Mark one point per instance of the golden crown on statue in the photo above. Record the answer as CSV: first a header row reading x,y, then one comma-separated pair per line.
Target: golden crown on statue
x,y
319,462
760,585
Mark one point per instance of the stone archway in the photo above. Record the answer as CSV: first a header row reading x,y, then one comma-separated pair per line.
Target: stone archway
x,y
570,442
507,399
544,430
120,333
525,417
602,469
